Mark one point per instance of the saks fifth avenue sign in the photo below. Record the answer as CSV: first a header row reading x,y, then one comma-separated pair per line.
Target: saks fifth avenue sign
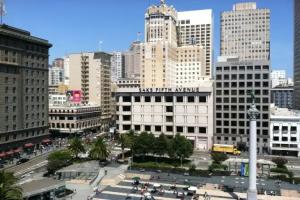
x,y
146,90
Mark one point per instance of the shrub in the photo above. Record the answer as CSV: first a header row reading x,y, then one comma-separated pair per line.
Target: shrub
x,y
217,167
280,162
218,157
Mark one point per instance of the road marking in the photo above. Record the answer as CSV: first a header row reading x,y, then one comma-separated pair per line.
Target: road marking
x,y
164,184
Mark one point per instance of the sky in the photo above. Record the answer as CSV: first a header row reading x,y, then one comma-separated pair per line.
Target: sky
x,y
74,26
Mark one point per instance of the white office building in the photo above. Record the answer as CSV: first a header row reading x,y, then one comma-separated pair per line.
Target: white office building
x,y
285,132
117,66
56,76
188,111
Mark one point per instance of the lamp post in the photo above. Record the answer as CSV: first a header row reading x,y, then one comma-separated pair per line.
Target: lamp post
x,y
253,114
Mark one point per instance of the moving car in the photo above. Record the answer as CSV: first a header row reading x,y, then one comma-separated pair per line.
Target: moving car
x,y
22,160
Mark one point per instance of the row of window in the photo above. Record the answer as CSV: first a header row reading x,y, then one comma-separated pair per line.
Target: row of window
x,y
241,100
21,135
242,68
219,138
179,129
239,116
242,84
170,99
240,131
239,108
265,124
284,129
285,139
241,92
77,125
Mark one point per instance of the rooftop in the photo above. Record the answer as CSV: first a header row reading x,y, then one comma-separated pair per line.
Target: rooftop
x,y
284,112
42,185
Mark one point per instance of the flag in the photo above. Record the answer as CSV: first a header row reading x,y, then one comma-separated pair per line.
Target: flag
x,y
2,8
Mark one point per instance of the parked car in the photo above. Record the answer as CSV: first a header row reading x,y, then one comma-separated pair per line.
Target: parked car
x,y
22,160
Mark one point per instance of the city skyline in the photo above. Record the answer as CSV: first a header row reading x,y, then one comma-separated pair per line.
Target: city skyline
x,y
117,35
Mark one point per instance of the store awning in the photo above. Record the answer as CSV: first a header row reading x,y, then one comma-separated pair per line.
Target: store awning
x,y
9,153
17,150
46,141
28,145
2,155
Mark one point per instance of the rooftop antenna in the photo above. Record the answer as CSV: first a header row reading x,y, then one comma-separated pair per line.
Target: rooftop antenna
x,y
2,10
100,45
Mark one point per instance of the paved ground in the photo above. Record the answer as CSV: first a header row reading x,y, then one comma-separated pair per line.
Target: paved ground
x,y
238,184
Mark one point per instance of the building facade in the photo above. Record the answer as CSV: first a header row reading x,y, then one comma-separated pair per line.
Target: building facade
x,y
297,53
117,66
245,32
56,76
128,83
57,99
196,28
90,72
283,96
235,80
177,51
285,132
73,119
188,111
23,87
133,60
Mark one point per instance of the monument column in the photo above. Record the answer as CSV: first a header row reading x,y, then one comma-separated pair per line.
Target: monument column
x,y
253,114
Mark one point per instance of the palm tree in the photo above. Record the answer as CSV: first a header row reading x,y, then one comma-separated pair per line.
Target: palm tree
x,y
125,141
8,188
76,147
99,150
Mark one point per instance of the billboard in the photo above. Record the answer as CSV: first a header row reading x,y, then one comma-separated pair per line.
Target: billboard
x,y
74,96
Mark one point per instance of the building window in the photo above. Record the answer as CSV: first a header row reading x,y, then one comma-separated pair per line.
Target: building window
x,y
137,127
179,99
169,118
202,99
157,128
126,127
147,128
126,117
157,99
169,99
126,99
126,108
137,99
191,130
202,129
191,99
284,139
169,128
147,99
179,129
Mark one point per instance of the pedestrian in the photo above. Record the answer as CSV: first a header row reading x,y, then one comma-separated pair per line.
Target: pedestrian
x,y
205,195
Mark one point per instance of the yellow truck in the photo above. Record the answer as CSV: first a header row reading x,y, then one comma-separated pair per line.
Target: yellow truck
x,y
226,148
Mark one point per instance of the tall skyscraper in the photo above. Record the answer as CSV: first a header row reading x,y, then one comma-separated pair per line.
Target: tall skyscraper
x,y
297,54
117,66
133,60
90,72
245,32
195,28
56,75
24,88
235,80
178,47
159,49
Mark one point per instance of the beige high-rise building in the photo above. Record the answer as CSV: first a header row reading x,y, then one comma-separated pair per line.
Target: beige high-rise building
x,y
90,72
133,59
23,88
245,32
195,28
159,50
178,47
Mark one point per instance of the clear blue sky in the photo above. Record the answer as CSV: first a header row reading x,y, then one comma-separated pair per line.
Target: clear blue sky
x,y
79,25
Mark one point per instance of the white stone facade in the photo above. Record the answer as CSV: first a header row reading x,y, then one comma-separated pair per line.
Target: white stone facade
x,y
188,111
285,132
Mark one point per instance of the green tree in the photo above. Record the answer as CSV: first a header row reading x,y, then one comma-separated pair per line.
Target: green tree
x,y
179,147
58,159
160,147
76,147
99,150
218,157
144,143
280,162
8,188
